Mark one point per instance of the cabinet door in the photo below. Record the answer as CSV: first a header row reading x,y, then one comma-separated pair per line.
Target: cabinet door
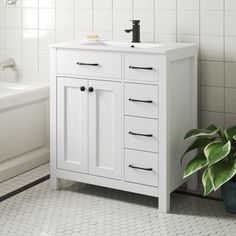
x,y
72,125
105,129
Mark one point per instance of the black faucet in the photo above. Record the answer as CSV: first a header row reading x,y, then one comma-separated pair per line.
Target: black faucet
x,y
135,30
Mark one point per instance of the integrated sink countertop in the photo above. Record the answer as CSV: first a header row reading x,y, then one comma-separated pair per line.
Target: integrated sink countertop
x,y
123,46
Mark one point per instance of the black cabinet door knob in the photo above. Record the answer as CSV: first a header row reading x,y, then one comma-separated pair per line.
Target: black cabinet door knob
x,y
90,89
82,88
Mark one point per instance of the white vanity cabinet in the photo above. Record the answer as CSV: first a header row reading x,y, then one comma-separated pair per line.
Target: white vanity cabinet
x,y
118,116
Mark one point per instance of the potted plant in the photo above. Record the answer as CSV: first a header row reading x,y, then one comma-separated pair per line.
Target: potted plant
x,y
216,155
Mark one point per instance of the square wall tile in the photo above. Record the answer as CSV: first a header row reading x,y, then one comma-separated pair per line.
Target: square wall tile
x,y
230,120
230,49
102,20
212,23
84,20
47,19
230,21
230,5
165,38
212,48
29,60
30,18
212,98
46,37
188,22
81,4
212,73
212,4
64,4
13,39
122,4
64,19
29,3
146,18
165,5
230,98
140,4
165,22
13,18
230,74
121,20
188,4
102,4
47,3
30,39
207,118
64,36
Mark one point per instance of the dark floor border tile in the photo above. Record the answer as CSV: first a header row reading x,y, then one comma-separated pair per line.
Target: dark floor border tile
x,y
22,189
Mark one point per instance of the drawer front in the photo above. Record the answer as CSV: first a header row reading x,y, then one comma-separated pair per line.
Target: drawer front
x,y
141,167
141,100
141,134
89,63
141,67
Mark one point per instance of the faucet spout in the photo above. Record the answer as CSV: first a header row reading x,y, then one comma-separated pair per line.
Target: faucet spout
x,y
8,63
135,30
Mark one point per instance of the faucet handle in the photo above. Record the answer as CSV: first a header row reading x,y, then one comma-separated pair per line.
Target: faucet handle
x,y
135,22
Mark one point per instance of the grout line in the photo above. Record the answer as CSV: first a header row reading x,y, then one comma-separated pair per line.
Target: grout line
x,y
24,188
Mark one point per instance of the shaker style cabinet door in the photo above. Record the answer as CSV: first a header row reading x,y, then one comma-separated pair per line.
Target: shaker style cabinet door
x,y
105,129
72,124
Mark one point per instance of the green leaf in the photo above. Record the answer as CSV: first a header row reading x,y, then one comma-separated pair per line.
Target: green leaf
x,y
230,133
211,130
195,164
234,137
222,172
216,151
207,184
198,143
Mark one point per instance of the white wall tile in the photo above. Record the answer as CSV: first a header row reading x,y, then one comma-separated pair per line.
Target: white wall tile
x,y
46,37
84,20
64,36
146,18
165,22
121,20
47,19
165,5
230,74
212,73
13,38
29,3
188,4
230,49
212,4
30,39
64,4
30,18
230,120
207,118
122,4
64,19
140,4
230,4
230,98
13,18
102,4
102,20
29,60
230,21
212,98
212,48
47,3
188,22
212,23
81,4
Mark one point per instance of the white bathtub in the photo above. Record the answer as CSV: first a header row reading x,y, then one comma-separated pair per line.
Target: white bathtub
x,y
24,127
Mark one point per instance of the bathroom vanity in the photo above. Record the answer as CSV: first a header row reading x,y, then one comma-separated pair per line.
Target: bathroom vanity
x,y
119,112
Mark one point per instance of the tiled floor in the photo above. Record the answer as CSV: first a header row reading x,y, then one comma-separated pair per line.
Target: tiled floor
x,y
89,210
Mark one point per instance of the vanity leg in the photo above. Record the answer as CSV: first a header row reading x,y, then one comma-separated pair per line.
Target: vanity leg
x,y
192,182
55,183
164,203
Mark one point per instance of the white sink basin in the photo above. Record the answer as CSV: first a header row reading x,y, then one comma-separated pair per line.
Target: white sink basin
x,y
122,44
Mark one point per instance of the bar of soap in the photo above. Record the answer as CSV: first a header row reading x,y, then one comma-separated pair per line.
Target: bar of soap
x,y
92,37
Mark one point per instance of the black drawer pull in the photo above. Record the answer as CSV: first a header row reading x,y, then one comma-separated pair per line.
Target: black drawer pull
x,y
140,168
144,101
87,64
137,134
140,68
